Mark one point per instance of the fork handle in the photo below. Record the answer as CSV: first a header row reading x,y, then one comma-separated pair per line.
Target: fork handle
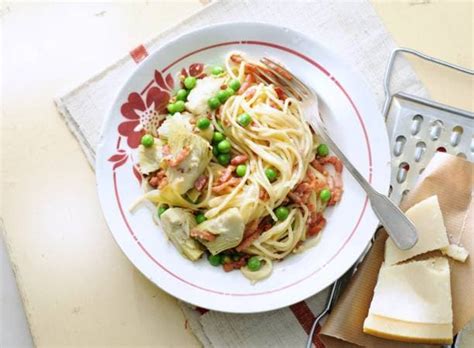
x,y
398,226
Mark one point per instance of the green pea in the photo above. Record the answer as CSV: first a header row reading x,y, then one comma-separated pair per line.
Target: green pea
x,y
230,91
325,195
182,94
179,105
213,103
147,140
215,151
200,218
323,150
190,82
254,264
162,209
235,85
215,260
172,108
223,159
224,146
271,174
217,137
282,213
203,123
223,95
217,70
241,170
244,120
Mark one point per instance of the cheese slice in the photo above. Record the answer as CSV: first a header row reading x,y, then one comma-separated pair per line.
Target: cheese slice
x,y
412,303
428,220
392,329
418,291
455,252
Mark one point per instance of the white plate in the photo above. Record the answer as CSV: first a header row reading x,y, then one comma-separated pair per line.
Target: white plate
x,y
353,120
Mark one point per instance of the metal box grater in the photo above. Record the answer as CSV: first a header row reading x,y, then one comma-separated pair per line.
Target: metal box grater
x,y
417,128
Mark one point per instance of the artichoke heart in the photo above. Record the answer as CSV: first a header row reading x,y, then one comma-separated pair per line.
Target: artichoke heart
x,y
228,227
177,223
178,120
183,176
149,158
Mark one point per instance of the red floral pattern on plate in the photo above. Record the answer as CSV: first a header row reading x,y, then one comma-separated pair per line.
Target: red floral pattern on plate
x,y
142,114
196,70
145,111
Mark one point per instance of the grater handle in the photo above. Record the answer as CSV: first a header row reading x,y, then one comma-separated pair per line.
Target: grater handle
x,y
393,56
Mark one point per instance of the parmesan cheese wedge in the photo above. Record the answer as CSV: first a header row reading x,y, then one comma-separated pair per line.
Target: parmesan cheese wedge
x,y
428,220
456,252
412,303
397,330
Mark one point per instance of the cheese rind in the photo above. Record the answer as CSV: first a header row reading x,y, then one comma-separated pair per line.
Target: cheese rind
x,y
428,220
418,291
456,252
408,331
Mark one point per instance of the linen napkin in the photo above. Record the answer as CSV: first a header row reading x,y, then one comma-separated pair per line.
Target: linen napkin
x,y
451,178
350,29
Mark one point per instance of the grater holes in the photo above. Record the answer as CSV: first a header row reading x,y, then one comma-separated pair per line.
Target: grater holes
x,y
404,193
421,171
403,169
390,190
456,135
462,155
436,128
416,124
399,144
441,149
420,149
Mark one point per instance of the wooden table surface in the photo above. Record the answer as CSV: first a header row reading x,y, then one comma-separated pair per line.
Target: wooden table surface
x,y
77,286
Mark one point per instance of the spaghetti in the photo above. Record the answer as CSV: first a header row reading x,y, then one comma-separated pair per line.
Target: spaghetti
x,y
239,155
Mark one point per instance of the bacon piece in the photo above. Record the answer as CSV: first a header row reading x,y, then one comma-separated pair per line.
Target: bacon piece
x,y
263,194
253,230
236,58
227,174
301,193
336,162
319,167
158,179
225,187
201,182
316,223
249,80
179,158
335,186
230,266
204,235
239,159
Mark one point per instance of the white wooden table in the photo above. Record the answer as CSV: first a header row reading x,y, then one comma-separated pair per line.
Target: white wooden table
x,y
77,286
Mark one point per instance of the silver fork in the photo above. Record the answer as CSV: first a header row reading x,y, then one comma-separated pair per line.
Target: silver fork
x,y
399,227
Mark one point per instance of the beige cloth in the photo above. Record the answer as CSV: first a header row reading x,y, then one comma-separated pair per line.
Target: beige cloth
x,y
350,29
